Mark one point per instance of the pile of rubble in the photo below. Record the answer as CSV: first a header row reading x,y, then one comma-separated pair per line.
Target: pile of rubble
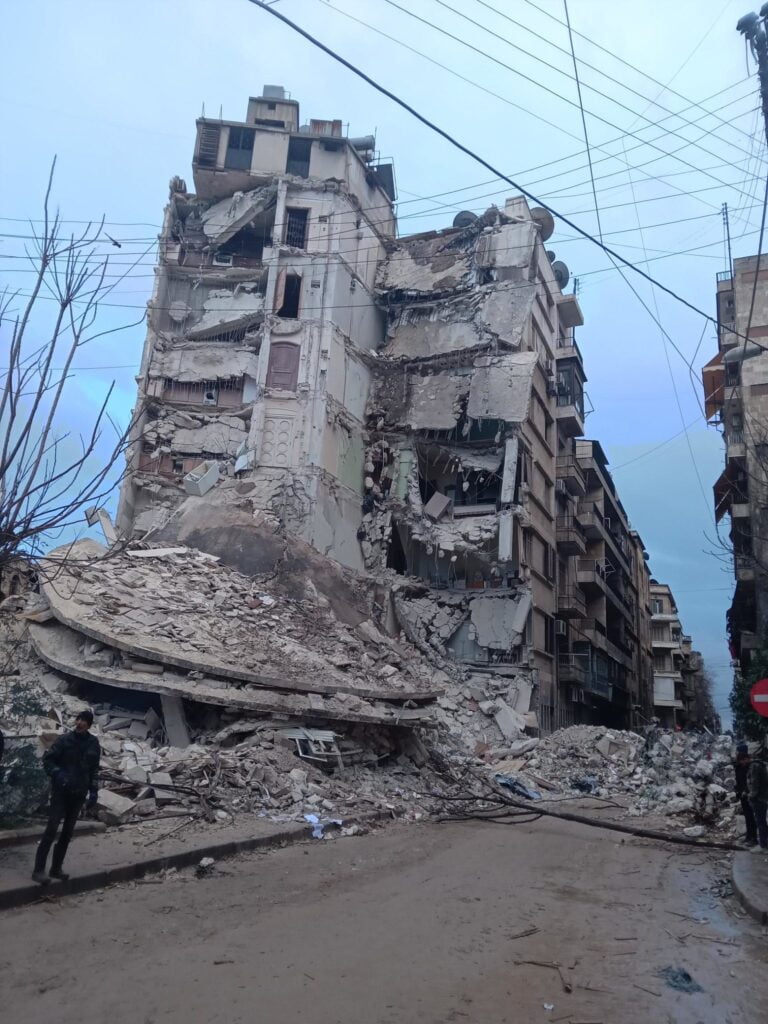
x,y
685,776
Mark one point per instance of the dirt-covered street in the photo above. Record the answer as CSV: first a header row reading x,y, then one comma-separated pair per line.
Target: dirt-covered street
x,y
422,923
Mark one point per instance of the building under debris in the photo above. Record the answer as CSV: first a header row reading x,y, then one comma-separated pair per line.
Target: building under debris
x,y
411,408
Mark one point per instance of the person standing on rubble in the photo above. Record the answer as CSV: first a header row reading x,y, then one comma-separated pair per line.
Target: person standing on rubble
x,y
72,764
757,780
741,770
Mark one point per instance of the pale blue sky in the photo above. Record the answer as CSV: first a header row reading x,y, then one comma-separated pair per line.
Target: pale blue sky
x,y
114,90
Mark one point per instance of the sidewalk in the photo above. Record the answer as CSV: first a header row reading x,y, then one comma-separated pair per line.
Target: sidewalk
x,y
750,882
132,851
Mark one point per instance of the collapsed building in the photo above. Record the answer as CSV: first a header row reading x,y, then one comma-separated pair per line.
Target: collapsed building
x,y
411,408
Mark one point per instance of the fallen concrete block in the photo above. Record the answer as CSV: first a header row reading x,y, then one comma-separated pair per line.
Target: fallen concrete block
x,y
509,722
138,730
158,781
136,774
112,808
153,720
175,721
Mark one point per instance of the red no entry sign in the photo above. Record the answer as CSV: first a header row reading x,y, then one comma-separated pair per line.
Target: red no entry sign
x,y
758,697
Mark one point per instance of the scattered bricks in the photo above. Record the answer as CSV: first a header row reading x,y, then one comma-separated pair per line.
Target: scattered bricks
x,y
112,808
488,707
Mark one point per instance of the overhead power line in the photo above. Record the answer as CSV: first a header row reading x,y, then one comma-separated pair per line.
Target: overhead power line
x,y
604,74
476,157
529,78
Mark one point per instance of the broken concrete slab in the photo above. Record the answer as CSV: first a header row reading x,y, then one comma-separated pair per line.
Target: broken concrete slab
x,y
162,786
234,646
112,808
509,722
57,645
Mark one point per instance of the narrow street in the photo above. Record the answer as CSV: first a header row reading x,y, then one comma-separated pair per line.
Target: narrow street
x,y
412,924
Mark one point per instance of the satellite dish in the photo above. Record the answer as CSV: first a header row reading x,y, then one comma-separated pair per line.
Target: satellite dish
x,y
178,312
551,255
562,273
545,220
464,219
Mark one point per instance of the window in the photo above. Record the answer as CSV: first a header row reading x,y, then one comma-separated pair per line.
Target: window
x,y
177,466
240,149
283,367
287,295
299,151
549,634
296,228
657,606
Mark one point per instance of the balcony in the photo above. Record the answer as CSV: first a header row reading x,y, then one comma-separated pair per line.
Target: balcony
x,y
590,575
735,445
569,412
569,311
570,537
592,630
572,668
570,472
739,507
571,603
591,519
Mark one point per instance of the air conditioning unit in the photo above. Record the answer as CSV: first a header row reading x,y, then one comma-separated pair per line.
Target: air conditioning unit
x,y
550,365
561,628
552,389
560,487
221,259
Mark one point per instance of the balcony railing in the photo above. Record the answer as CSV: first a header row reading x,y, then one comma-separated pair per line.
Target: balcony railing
x,y
724,275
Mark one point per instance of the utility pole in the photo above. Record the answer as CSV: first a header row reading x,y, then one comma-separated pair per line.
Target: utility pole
x,y
752,27
727,226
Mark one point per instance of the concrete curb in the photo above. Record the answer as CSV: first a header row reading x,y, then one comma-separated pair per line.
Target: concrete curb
x,y
749,874
31,833
32,892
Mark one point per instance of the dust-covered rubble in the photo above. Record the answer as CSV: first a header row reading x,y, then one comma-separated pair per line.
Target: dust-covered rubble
x,y
686,777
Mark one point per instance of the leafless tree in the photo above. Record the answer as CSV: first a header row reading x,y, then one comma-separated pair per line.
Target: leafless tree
x,y
48,475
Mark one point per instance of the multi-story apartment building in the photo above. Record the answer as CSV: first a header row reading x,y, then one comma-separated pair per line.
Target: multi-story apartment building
x,y
603,594
736,395
668,656
409,406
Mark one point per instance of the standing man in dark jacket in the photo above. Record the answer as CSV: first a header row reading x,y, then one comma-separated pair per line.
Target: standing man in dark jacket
x,y
757,781
72,764
740,770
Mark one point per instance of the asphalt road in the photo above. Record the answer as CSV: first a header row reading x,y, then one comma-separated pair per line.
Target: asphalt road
x,y
421,923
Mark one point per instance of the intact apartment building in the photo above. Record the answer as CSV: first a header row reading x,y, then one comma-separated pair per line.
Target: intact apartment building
x,y
412,407
677,668
736,395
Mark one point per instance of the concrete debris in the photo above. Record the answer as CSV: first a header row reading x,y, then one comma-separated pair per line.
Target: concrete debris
x,y
682,775
112,808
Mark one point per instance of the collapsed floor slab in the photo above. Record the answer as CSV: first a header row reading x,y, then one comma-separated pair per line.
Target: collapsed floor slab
x,y
59,647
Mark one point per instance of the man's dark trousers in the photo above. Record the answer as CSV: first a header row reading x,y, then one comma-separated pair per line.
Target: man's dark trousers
x,y
749,819
65,808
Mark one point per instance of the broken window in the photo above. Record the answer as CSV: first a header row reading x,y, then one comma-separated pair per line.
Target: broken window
x,y
288,295
178,466
283,368
299,152
657,606
240,149
296,228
